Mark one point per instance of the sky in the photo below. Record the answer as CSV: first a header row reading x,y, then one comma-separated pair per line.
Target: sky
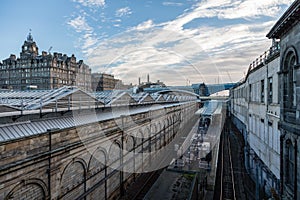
x,y
179,42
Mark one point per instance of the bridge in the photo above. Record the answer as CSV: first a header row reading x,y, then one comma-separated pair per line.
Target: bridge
x,y
200,89
69,144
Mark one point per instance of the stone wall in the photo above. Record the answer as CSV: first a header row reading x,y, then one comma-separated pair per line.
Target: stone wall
x,y
290,115
87,161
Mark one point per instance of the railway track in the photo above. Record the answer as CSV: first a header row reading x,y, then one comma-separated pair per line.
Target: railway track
x,y
144,182
244,186
227,174
233,180
142,186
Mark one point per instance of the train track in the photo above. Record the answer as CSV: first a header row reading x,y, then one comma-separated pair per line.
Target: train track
x,y
244,186
227,174
139,189
142,187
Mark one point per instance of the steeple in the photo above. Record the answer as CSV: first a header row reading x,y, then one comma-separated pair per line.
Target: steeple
x,y
29,37
29,48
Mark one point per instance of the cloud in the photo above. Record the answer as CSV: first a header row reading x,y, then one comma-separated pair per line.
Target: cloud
x,y
145,25
79,24
229,9
170,52
168,3
123,12
91,3
88,39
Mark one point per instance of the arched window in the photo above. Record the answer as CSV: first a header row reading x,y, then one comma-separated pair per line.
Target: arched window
x,y
289,94
289,164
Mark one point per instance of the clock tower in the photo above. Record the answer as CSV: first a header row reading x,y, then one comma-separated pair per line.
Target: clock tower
x,y
29,48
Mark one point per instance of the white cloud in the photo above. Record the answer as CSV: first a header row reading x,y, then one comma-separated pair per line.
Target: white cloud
x,y
123,12
145,25
91,3
88,39
169,3
229,9
79,24
172,53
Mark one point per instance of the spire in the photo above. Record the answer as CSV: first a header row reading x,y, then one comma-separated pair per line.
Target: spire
x,y
29,37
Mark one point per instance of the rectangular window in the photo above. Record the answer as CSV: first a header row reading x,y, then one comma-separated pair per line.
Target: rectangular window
x,y
262,96
290,165
270,90
250,92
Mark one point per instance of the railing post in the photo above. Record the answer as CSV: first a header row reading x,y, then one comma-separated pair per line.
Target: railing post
x,y
122,155
22,107
41,106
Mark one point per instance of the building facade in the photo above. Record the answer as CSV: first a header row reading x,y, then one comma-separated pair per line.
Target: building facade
x,y
266,105
255,111
287,30
45,71
102,82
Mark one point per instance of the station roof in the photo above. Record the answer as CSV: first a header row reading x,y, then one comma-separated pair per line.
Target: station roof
x,y
18,103
210,108
72,97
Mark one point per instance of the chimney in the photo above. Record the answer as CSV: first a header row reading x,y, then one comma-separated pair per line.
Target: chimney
x,y
148,78
139,80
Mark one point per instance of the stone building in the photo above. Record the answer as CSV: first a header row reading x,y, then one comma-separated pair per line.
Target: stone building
x,y
267,104
255,110
287,30
83,78
102,82
45,71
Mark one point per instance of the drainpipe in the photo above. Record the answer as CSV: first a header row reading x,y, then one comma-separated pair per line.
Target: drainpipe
x,y
281,164
295,177
257,185
122,149
49,161
50,131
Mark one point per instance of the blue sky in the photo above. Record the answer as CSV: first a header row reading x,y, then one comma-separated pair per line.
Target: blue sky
x,y
178,42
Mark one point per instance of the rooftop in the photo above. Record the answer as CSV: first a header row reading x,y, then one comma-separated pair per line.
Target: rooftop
x,y
286,21
20,110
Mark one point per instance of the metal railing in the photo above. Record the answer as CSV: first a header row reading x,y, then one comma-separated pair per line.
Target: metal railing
x,y
275,49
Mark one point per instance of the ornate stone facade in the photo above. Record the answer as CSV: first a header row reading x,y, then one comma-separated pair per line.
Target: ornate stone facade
x,y
286,90
45,71
255,110
287,29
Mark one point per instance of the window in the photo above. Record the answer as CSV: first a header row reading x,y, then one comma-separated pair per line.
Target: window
x,y
270,123
270,90
262,96
290,164
250,92
288,80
